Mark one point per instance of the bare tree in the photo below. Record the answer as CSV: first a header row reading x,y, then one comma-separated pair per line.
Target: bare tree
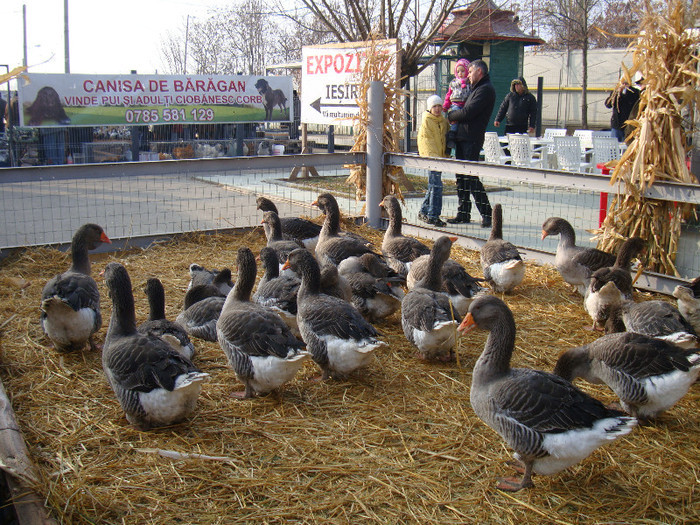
x,y
570,23
617,18
415,22
172,53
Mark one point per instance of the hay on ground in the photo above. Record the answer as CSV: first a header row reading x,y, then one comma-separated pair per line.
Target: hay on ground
x,y
397,443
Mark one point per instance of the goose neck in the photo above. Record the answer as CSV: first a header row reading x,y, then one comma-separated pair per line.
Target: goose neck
x,y
497,226
156,302
310,280
123,320
494,361
79,255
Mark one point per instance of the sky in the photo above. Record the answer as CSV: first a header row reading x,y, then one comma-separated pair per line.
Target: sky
x,y
106,37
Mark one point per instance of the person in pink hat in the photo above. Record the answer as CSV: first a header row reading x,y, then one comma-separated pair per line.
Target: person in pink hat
x,y
456,95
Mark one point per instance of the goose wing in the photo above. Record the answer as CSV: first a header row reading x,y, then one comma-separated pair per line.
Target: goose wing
x,y
256,331
143,363
328,315
77,290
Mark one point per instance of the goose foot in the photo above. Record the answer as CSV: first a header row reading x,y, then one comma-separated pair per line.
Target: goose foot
x,y
516,465
245,394
513,484
94,346
447,358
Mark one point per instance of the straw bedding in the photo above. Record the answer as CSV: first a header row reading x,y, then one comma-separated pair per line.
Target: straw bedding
x,y
396,443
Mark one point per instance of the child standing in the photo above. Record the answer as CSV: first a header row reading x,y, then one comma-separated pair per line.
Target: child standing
x,y
456,95
431,143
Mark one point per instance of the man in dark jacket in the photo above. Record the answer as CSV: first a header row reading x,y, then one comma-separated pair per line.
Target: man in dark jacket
x,y
621,100
472,120
519,109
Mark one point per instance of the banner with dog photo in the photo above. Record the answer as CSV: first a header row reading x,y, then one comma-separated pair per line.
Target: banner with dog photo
x,y
49,100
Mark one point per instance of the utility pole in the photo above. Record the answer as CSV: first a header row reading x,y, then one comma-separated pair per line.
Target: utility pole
x,y
65,35
187,33
24,33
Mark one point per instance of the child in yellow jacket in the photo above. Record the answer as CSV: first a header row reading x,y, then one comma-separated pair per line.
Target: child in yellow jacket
x,y
431,143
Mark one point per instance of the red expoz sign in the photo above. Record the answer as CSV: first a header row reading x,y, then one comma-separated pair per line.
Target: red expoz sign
x,y
340,63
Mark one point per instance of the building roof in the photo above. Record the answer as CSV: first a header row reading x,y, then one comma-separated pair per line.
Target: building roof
x,y
483,21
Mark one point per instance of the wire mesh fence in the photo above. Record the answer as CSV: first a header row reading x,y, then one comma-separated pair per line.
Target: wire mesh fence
x,y
45,205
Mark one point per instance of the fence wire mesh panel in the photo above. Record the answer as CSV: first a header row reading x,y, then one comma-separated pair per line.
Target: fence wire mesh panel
x,y
46,205
528,198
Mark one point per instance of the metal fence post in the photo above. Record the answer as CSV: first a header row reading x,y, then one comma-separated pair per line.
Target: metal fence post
x,y
375,152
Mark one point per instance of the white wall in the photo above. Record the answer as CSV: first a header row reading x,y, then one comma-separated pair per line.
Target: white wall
x,y
562,74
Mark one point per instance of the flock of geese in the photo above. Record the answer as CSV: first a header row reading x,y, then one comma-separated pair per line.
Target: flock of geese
x,y
323,288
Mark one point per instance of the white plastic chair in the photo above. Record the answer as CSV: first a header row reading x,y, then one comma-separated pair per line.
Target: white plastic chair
x,y
521,151
605,149
568,151
585,137
493,151
549,135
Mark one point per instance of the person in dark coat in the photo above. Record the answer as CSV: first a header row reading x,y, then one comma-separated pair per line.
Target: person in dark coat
x,y
472,121
519,109
621,101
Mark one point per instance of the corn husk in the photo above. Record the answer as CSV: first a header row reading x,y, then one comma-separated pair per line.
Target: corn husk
x,y
380,66
663,54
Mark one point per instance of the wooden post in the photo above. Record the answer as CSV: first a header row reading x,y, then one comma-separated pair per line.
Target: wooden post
x,y
18,468
304,149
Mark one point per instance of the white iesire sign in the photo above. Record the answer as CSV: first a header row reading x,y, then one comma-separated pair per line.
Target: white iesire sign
x,y
330,77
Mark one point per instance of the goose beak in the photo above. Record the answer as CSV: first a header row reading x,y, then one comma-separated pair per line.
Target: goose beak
x,y
104,238
286,264
544,234
381,204
453,239
314,203
467,324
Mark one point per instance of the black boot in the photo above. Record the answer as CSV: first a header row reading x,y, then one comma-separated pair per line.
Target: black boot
x,y
451,138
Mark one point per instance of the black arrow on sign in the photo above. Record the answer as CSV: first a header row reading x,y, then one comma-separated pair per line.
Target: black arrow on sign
x,y
316,104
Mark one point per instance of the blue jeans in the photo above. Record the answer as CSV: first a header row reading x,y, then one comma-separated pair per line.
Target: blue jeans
x,y
619,134
453,125
432,204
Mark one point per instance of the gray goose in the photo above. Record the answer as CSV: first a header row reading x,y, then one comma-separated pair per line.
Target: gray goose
x,y
656,318
600,296
70,301
275,240
400,251
278,292
548,422
338,337
503,267
459,286
203,304
428,319
575,263
258,344
295,228
688,299
219,278
332,246
332,283
647,374
374,297
157,325
155,385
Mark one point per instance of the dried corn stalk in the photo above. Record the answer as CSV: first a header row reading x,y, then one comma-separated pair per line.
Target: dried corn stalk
x,y
383,66
664,55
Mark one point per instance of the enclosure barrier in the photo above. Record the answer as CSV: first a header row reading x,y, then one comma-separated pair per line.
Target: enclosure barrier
x,y
141,202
